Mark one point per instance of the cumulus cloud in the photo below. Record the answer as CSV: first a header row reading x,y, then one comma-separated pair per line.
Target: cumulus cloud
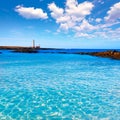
x,y
114,13
76,17
67,25
79,10
72,14
85,26
108,33
31,12
56,11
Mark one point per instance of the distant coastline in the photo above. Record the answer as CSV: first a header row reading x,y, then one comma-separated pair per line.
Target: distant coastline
x,y
22,47
114,54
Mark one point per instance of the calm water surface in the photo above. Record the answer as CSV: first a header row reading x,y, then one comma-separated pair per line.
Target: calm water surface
x,y
58,87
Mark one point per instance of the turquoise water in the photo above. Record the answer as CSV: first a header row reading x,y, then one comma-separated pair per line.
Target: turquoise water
x,y
58,87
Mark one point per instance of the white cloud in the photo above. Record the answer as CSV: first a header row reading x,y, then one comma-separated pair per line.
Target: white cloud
x,y
72,14
98,2
101,1
79,10
82,35
56,11
108,33
76,17
63,19
113,13
85,26
98,20
31,12
114,34
67,25
109,24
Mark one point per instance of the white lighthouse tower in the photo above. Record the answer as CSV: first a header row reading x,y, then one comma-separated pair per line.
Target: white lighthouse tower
x,y
33,43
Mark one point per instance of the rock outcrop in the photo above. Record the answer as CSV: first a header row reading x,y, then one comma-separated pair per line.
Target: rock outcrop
x,y
20,49
107,54
110,54
26,50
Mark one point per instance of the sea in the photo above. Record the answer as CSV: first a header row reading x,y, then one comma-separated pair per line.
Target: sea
x,y
46,86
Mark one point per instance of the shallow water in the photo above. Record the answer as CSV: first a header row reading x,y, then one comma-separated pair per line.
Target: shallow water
x,y
58,86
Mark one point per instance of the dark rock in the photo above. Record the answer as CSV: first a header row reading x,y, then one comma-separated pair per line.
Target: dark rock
x,y
26,50
109,54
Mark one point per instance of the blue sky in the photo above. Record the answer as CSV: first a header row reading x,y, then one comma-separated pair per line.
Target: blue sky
x,y
60,23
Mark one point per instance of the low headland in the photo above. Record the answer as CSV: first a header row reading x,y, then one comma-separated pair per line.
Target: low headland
x,y
20,49
106,54
114,54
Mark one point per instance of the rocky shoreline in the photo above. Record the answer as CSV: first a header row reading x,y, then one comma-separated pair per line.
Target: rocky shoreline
x,y
106,54
26,50
110,54
20,49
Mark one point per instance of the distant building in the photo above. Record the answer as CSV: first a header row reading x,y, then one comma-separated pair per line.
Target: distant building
x,y
33,43
35,46
38,46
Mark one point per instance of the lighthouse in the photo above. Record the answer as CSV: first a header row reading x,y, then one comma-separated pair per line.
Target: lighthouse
x,y
33,43
34,46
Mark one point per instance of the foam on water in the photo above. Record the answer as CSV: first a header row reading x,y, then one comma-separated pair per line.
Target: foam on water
x,y
55,87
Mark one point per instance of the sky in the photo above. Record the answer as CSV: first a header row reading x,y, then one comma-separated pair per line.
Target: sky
x,y
60,23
